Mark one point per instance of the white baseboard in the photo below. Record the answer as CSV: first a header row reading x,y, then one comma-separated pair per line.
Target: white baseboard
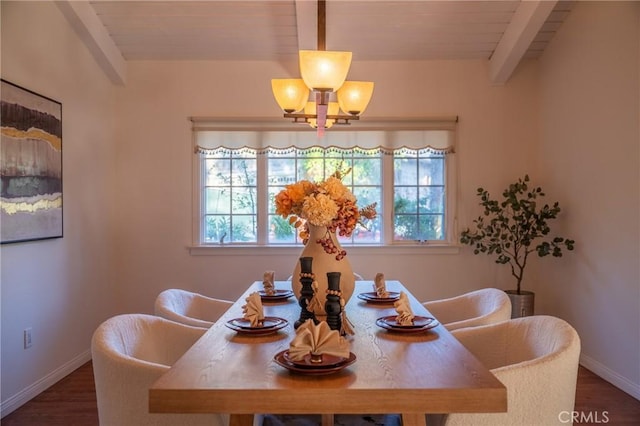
x,y
611,376
14,402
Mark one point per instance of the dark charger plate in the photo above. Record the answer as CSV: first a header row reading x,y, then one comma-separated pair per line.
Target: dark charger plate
x,y
372,297
269,325
279,295
331,365
419,324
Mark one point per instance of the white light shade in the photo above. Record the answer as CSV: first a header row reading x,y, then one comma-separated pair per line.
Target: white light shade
x,y
354,96
290,93
324,70
333,109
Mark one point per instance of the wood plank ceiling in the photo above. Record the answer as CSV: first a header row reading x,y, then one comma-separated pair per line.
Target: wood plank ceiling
x,y
373,30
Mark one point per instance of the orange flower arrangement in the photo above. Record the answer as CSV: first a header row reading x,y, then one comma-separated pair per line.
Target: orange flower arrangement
x,y
328,203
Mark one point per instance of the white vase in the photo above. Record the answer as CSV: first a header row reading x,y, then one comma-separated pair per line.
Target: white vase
x,y
324,262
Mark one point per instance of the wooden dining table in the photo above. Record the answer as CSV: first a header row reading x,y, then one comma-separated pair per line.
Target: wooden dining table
x,y
394,372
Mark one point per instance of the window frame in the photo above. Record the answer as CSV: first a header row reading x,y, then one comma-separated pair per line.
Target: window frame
x,y
448,245
449,230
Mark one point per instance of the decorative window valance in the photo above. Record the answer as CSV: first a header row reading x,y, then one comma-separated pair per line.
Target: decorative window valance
x,y
262,136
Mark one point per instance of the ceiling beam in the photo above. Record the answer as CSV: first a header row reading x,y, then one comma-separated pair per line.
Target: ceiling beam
x,y
524,26
83,19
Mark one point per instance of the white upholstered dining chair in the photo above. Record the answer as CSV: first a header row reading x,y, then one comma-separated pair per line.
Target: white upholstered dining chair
x,y
130,352
190,308
536,358
479,307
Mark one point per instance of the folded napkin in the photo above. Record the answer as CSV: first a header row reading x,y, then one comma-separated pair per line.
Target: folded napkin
x,y
317,339
253,309
380,285
403,308
267,282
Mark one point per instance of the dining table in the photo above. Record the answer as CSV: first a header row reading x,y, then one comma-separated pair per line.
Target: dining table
x,y
232,371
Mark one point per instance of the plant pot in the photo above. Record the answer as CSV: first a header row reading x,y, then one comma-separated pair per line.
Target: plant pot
x,y
522,305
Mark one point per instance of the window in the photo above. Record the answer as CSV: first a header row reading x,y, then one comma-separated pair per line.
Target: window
x,y
409,173
230,197
419,196
288,166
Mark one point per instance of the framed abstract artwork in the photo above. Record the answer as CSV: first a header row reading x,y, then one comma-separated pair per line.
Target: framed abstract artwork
x,y
30,166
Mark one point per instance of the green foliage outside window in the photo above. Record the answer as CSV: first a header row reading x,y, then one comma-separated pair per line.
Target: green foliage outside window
x,y
230,193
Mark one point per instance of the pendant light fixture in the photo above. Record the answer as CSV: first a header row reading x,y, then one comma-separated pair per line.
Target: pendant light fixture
x,y
323,73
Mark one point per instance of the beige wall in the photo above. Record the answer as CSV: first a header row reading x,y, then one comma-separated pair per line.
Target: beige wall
x,y
589,158
60,288
497,138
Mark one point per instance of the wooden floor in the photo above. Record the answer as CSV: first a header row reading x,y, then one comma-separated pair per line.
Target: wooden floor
x,y
72,402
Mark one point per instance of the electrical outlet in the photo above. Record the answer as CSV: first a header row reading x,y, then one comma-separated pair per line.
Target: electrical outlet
x,y
27,338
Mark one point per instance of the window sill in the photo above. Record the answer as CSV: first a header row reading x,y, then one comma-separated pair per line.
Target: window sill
x,y
252,250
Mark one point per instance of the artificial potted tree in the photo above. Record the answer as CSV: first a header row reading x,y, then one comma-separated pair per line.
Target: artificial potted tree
x,y
511,230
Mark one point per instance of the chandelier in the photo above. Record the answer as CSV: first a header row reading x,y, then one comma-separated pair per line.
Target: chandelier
x,y
323,73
